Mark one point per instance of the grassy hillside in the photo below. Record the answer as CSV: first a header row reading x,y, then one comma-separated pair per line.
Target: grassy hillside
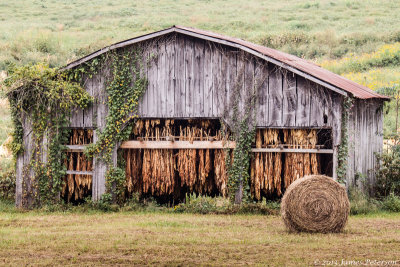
x,y
334,33
59,31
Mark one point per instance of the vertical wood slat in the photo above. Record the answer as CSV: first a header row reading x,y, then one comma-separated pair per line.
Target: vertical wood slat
x,y
189,79
159,91
180,78
152,77
225,80
316,117
198,79
334,114
303,102
208,81
99,167
88,112
249,82
275,98
142,67
261,76
289,104
170,79
240,74
219,82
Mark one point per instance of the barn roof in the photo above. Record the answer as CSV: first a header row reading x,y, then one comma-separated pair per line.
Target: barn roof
x,y
295,64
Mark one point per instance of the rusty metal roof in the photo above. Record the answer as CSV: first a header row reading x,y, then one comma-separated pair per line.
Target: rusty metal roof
x,y
295,64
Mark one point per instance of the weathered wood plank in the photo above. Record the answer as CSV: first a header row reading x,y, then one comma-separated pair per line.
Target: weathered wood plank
x,y
80,172
189,77
303,102
261,76
160,90
210,145
99,175
293,150
334,115
241,74
153,101
316,116
170,79
177,145
198,79
289,104
142,67
180,97
208,81
225,79
249,90
275,97
88,112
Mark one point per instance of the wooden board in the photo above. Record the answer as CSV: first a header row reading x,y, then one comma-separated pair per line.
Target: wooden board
x,y
177,145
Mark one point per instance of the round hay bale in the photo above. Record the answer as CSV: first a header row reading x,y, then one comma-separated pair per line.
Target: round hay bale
x,y
315,203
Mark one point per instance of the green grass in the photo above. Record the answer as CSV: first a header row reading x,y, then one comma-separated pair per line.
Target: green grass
x,y
59,31
126,238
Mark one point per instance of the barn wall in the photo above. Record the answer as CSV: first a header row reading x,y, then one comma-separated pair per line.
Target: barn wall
x,y
365,139
193,78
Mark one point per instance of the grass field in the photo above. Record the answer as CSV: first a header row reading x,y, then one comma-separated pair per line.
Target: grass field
x,y
59,31
93,239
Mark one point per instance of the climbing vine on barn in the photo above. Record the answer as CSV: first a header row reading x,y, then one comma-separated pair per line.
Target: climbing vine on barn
x,y
124,91
48,96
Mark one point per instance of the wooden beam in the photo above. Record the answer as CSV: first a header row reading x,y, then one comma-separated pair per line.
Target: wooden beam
x,y
202,145
75,148
177,144
80,172
293,150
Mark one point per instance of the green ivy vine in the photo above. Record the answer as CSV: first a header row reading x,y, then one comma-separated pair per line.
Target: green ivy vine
x,y
243,130
124,90
45,95
343,151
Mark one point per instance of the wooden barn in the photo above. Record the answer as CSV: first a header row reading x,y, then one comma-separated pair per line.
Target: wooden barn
x,y
199,83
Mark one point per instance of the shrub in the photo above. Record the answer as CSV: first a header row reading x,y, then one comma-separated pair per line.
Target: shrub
x,y
388,172
360,203
391,203
7,185
201,204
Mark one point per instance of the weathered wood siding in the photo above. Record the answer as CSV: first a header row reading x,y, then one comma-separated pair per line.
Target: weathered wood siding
x,y
194,78
365,139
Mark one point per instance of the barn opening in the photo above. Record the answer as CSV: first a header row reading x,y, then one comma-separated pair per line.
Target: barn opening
x,y
77,184
170,158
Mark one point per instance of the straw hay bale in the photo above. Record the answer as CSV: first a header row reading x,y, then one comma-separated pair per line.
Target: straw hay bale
x,y
315,203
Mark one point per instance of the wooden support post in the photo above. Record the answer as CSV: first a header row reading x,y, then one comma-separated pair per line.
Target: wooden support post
x,y
99,175
239,194
335,163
